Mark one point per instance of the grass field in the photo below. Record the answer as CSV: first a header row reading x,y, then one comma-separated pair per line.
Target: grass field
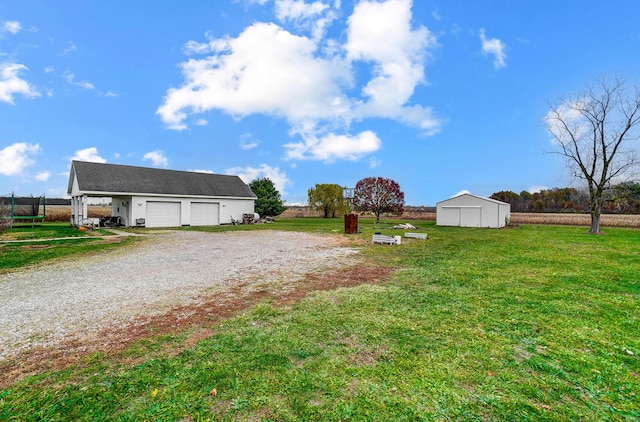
x,y
24,245
530,323
564,219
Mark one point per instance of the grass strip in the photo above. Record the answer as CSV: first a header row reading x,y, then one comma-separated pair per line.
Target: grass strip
x,y
17,255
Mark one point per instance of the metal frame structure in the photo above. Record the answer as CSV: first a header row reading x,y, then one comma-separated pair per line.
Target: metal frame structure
x,y
12,217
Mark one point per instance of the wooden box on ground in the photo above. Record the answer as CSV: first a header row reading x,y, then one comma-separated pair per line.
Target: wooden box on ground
x,y
386,240
416,235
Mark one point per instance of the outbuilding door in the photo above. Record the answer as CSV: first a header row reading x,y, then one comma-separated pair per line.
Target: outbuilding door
x,y
460,216
470,217
163,214
448,216
205,213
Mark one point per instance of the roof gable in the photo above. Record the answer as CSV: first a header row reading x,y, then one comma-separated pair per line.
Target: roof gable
x,y
111,179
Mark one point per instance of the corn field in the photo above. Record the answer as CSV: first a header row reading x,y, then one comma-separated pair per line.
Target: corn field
x,y
566,219
606,220
63,213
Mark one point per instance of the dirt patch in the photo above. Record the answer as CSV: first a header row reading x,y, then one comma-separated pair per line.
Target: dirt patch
x,y
200,320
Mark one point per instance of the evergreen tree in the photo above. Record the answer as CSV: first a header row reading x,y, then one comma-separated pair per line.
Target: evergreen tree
x,y
268,202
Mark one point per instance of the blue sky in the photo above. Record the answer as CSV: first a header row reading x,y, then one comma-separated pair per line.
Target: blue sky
x,y
441,96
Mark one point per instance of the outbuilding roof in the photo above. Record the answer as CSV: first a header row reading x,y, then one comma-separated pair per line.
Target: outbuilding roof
x,y
495,201
110,179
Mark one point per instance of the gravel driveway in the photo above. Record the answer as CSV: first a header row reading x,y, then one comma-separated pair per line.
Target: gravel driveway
x,y
44,305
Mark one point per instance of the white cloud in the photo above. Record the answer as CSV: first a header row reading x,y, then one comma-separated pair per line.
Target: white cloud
x,y
71,48
310,81
537,189
314,17
298,9
333,147
248,141
265,70
194,47
249,174
11,84
157,158
88,154
247,145
567,122
462,192
495,48
16,157
43,176
203,171
381,33
11,26
213,45
70,78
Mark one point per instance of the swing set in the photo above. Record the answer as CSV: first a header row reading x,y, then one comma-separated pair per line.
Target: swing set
x,y
16,209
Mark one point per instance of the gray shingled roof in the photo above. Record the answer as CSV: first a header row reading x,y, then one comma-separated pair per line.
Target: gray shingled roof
x,y
115,178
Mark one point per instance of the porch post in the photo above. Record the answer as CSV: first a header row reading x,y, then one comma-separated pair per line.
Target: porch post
x,y
78,209
84,208
73,210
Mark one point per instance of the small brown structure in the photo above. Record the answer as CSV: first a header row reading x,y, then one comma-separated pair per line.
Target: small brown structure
x,y
351,223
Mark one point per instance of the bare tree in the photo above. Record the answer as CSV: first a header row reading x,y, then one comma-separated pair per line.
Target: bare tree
x,y
595,132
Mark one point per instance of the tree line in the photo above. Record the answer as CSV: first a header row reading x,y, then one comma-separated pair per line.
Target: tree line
x,y
623,198
375,194
380,195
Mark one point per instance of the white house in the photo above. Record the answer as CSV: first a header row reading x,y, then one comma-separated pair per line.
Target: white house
x,y
157,197
468,210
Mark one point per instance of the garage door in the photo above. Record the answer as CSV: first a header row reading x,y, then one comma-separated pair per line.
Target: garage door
x,y
470,217
163,214
448,216
205,214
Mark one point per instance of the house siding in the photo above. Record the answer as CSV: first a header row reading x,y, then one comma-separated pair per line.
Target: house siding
x,y
228,207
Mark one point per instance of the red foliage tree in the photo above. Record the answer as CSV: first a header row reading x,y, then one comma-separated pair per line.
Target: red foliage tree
x,y
378,195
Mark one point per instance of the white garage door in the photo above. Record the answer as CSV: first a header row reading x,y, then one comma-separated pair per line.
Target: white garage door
x,y
470,217
448,216
163,214
205,214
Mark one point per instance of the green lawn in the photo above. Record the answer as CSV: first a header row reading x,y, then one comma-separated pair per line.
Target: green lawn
x,y
533,323
44,231
21,246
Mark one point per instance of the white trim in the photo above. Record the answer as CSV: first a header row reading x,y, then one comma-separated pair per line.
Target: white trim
x,y
461,206
163,195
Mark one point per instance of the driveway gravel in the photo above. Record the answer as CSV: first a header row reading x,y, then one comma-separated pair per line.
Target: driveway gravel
x,y
49,304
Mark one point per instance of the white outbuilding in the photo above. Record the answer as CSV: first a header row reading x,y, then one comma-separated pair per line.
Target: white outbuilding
x,y
152,197
467,210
